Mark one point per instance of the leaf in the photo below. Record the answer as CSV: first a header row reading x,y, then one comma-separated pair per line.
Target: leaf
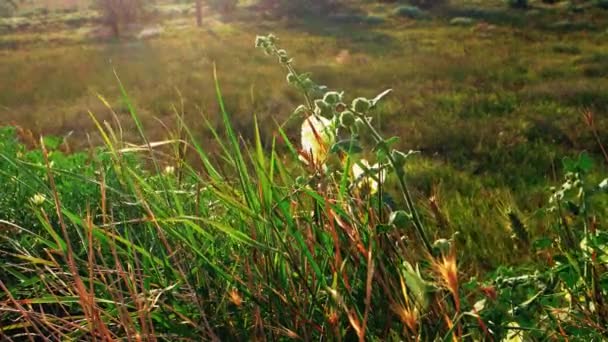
x,y
542,243
569,164
585,163
52,142
377,99
347,146
418,287
392,140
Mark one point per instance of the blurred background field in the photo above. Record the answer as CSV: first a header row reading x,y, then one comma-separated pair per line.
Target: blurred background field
x,y
506,101
492,96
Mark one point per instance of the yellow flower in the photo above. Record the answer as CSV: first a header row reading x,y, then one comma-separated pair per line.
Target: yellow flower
x,y
317,138
38,199
368,177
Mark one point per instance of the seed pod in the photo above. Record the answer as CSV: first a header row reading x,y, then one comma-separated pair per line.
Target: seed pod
x,y
347,119
361,105
332,97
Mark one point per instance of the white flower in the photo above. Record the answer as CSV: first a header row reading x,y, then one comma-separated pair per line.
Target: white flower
x,y
604,184
38,199
514,334
368,177
169,170
317,138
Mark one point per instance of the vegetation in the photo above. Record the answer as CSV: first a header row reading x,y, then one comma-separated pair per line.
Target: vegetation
x,y
469,202
118,13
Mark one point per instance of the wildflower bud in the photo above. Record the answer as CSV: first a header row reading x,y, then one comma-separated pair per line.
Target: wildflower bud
x,y
361,105
340,107
347,119
283,59
282,53
400,219
308,84
260,41
291,78
38,199
332,97
271,38
323,108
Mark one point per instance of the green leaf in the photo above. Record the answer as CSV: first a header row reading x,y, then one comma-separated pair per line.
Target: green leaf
x,y
380,96
52,142
542,243
418,287
347,145
569,164
585,163
392,140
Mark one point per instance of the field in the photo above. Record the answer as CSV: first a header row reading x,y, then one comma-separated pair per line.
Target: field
x,y
505,106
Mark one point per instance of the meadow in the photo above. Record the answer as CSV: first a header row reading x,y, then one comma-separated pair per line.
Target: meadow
x,y
161,189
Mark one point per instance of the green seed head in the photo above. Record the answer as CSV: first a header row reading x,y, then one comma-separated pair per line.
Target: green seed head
x,y
347,119
332,97
323,108
361,105
291,78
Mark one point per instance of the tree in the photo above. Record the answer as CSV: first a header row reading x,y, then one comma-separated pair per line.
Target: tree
x,y
298,7
428,3
7,7
117,13
223,6
199,13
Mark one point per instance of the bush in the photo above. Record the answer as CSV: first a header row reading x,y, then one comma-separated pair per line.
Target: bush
x,y
428,3
6,9
517,3
301,7
119,13
374,20
603,4
567,49
223,6
462,21
411,12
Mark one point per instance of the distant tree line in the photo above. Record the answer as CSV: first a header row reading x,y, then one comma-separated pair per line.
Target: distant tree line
x,y
117,13
7,7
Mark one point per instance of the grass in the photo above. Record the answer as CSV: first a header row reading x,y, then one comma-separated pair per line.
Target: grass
x,y
213,234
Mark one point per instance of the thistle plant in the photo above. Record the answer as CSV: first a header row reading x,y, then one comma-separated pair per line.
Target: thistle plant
x,y
328,116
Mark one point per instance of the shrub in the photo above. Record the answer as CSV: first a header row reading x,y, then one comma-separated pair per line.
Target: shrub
x,y
411,12
462,21
603,4
6,10
428,3
223,6
301,7
118,13
374,20
517,3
